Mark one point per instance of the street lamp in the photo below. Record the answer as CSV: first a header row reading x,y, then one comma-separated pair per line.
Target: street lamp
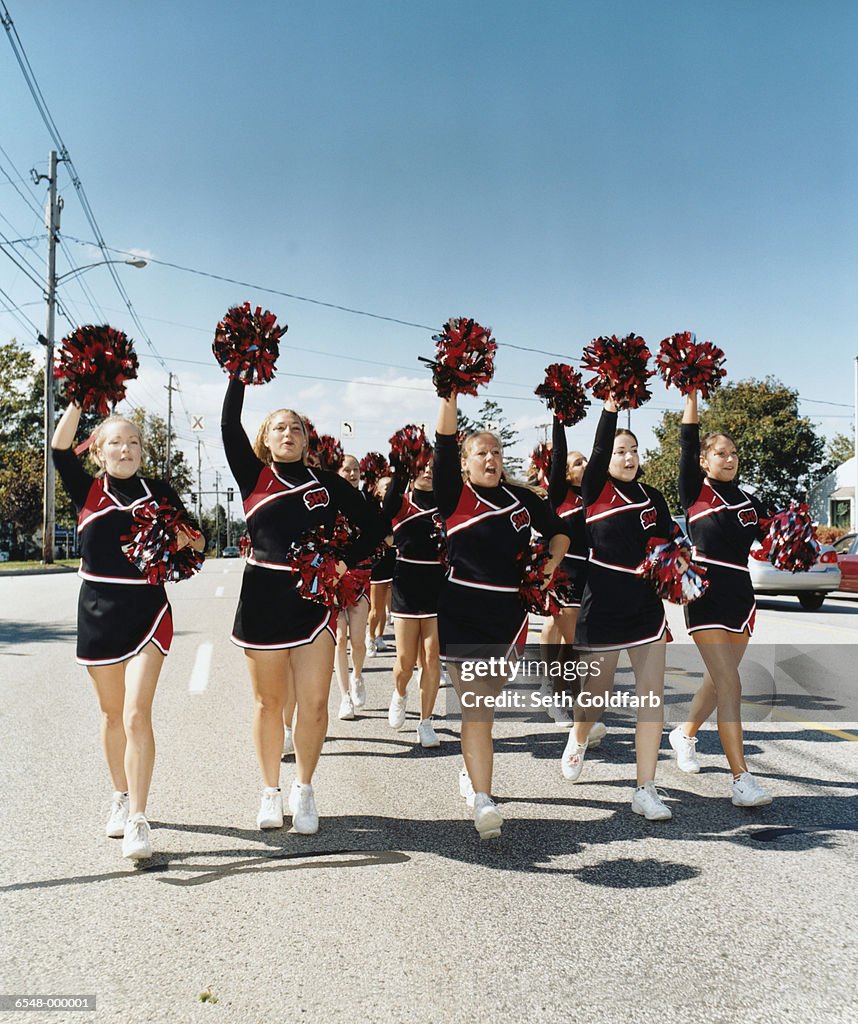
x,y
137,262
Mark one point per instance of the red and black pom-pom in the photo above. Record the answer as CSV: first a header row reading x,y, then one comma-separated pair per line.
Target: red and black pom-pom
x,y
353,585
439,535
791,543
409,450
564,393
668,568
373,466
464,357
622,369
312,442
314,559
247,343
540,462
152,545
690,366
329,452
96,362
536,597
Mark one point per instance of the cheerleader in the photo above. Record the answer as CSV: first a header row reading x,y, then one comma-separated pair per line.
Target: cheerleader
x,y
276,626
417,578
380,583
124,623
619,610
480,611
723,521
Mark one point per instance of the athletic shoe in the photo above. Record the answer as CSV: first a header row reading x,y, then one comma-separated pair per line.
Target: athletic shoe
x,y
270,809
597,733
288,743
396,711
572,761
115,827
357,689
560,714
426,734
347,708
647,801
381,644
370,648
487,817
747,792
686,750
136,841
305,817
465,788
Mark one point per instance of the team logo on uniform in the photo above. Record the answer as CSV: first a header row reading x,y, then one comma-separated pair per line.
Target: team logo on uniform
x,y
648,518
437,521
748,517
318,498
520,519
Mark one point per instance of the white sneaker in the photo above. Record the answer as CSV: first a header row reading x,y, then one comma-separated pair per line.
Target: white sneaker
x,y
747,792
357,689
487,817
572,761
561,715
115,827
347,709
396,711
305,817
288,743
465,788
597,733
381,644
270,809
647,801
370,648
686,750
136,841
426,733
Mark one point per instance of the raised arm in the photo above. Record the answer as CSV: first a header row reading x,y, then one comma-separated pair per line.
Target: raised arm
x,y
242,460
557,483
75,478
446,464
596,471
690,472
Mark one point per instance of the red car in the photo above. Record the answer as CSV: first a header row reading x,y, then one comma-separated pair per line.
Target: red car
x,y
847,559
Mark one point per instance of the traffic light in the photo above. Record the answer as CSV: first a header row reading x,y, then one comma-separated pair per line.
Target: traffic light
x,y
193,497
230,494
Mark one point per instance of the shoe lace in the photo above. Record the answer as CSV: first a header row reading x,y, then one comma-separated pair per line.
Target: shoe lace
x,y
657,794
575,756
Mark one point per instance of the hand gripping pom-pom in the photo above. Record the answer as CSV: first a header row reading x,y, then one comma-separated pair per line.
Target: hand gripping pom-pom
x,y
152,545
353,585
564,393
667,567
373,466
621,369
314,560
690,366
540,461
791,544
408,449
329,452
96,362
536,596
247,343
464,357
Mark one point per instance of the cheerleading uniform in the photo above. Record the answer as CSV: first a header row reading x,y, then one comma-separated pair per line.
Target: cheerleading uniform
x,y
619,609
723,523
488,531
281,502
118,611
418,572
567,503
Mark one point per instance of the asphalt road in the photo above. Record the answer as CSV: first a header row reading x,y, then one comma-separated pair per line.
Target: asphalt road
x,y
395,911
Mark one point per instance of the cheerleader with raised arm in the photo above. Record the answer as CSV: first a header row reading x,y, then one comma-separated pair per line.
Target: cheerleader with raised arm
x,y
380,581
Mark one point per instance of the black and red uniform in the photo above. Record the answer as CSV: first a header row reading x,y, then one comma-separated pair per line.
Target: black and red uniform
x,y
488,528
619,608
567,502
281,502
418,572
723,523
384,557
118,610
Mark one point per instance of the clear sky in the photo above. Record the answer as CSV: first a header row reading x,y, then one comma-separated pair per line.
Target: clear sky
x,y
557,170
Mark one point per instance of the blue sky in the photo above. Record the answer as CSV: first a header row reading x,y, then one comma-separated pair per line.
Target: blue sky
x,y
556,170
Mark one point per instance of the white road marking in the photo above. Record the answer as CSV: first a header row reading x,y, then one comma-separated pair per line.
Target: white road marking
x,y
219,592
200,673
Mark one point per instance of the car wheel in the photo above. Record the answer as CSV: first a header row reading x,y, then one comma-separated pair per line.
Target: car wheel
x,y
811,602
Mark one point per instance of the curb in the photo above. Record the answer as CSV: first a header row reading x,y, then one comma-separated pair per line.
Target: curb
x,y
37,572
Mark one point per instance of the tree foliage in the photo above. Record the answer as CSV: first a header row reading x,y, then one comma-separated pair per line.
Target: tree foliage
x,y
154,430
491,417
839,449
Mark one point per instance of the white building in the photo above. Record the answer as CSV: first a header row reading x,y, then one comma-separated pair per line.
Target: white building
x,y
832,499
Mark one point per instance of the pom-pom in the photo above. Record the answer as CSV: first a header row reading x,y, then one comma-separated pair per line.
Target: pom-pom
x,y
247,343
96,362
373,466
464,357
314,559
353,585
667,567
791,543
564,393
439,536
621,368
408,450
152,545
312,442
535,595
329,452
689,366
540,461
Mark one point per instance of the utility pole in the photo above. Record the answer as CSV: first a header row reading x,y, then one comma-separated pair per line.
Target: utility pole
x,y
855,454
199,486
228,515
170,389
217,515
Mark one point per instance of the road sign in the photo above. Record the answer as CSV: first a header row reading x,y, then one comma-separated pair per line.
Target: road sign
x,y
198,423
346,429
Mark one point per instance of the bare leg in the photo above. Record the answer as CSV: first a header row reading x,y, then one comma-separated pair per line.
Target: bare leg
x,y
722,653
476,736
312,665
648,666
407,632
289,704
596,686
268,671
109,683
141,678
430,673
341,661
358,614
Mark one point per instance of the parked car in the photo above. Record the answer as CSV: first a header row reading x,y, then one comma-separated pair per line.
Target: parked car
x,y
231,552
846,550
809,587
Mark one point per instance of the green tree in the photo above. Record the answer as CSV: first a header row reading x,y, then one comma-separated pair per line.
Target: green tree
x,y
491,417
154,430
839,449
780,452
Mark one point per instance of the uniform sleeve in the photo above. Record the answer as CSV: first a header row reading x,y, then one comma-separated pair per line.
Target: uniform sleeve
x,y
75,478
557,484
391,506
596,470
664,525
690,473
447,474
242,460
543,518
361,513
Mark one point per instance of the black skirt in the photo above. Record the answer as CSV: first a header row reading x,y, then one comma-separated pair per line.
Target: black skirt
x,y
382,568
271,615
115,621
576,570
477,624
727,604
415,590
618,610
